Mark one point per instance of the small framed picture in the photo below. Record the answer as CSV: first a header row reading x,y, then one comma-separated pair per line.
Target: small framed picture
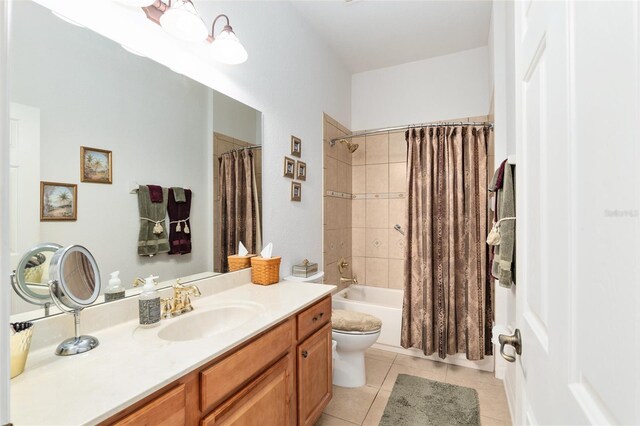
x,y
296,146
58,201
95,165
296,191
289,167
301,170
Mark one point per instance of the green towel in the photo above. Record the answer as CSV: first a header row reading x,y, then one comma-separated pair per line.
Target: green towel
x,y
504,254
178,195
152,238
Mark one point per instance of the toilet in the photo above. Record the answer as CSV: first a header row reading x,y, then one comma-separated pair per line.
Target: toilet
x,y
354,332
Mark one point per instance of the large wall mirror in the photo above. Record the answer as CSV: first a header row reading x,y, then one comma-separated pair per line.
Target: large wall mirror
x,y
140,123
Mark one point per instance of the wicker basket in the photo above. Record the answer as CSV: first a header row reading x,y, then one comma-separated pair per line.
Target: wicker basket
x,y
265,271
239,262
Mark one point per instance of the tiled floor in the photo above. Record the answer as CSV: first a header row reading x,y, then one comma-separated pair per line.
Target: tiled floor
x,y
365,405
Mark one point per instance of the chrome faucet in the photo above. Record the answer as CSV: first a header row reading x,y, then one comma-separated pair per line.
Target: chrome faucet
x,y
180,303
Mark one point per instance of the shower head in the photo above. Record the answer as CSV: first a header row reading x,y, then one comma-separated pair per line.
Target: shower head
x,y
351,146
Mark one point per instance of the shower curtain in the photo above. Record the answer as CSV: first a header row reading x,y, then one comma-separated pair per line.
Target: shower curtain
x,y
239,212
448,306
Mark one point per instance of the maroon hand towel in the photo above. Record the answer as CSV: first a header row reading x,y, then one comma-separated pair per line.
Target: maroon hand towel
x,y
179,223
500,179
155,193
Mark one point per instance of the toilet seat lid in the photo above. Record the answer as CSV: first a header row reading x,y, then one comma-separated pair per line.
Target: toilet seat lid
x,y
352,321
359,333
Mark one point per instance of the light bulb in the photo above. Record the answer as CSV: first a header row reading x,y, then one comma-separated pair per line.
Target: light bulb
x,y
227,48
183,22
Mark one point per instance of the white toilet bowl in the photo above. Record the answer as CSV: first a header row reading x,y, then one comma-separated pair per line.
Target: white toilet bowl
x,y
348,367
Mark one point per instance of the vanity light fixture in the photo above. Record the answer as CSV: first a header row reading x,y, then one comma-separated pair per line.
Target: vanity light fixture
x,y
182,21
226,47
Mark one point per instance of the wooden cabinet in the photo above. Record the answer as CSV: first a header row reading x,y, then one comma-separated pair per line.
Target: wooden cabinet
x,y
228,375
265,401
280,377
314,375
167,409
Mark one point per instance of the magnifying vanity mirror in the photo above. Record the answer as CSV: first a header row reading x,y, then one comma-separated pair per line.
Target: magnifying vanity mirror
x,y
74,284
31,277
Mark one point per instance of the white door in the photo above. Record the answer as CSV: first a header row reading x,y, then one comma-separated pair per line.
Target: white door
x,y
577,212
24,186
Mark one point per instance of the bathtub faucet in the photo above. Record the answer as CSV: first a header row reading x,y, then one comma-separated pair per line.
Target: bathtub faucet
x,y
353,280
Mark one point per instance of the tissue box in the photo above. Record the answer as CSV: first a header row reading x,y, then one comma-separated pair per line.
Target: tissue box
x,y
265,271
239,262
304,269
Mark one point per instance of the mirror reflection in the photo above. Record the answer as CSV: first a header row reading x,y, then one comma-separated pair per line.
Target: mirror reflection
x,y
91,124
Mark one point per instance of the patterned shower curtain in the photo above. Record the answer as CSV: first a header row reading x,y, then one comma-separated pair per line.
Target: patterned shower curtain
x,y
239,212
448,298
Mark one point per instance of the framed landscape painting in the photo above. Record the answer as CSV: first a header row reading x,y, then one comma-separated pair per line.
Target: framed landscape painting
x,y
58,201
95,165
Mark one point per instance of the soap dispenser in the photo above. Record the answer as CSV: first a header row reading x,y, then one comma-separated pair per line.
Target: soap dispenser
x,y
149,303
114,290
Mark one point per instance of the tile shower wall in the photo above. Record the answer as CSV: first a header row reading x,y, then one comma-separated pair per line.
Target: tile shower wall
x,y
379,203
379,194
337,202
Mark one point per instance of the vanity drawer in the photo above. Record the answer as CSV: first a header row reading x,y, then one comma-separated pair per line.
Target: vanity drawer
x,y
168,409
228,375
314,317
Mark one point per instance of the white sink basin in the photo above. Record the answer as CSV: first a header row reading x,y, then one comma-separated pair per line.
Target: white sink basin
x,y
209,321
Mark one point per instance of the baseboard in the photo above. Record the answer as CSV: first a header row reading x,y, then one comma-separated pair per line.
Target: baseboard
x,y
458,359
509,391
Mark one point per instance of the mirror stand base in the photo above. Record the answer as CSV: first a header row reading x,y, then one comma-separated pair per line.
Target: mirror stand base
x,y
77,345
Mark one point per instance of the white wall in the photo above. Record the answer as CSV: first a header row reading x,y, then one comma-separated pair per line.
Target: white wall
x,y
446,87
235,119
290,76
91,92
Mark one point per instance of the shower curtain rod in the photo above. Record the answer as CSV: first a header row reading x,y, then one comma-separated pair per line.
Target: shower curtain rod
x,y
246,147
406,127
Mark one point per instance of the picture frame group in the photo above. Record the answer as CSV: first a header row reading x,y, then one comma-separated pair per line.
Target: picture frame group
x,y
295,169
59,200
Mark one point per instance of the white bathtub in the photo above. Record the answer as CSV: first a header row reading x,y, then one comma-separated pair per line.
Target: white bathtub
x,y
386,304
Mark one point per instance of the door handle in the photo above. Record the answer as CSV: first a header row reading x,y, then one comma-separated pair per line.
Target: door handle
x,y
513,340
305,354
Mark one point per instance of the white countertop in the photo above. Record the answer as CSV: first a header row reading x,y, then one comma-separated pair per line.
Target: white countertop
x,y
131,363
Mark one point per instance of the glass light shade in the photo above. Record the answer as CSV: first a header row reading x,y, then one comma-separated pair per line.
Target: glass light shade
x,y
136,3
227,48
183,22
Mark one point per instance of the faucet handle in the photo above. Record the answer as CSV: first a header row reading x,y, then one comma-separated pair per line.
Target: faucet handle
x,y
165,304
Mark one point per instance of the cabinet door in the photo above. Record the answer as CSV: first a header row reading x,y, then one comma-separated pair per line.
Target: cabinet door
x,y
314,375
265,401
168,409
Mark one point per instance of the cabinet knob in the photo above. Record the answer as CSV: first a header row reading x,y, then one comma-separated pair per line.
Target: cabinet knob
x,y
314,319
305,354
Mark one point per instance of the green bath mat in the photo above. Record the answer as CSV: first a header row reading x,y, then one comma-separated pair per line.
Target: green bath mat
x,y
417,401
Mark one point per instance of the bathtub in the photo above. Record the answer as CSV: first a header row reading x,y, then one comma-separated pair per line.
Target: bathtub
x,y
386,304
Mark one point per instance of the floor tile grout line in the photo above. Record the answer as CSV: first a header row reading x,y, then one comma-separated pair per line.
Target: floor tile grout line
x,y
370,406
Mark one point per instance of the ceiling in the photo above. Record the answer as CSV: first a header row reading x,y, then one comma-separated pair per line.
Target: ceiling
x,y
368,34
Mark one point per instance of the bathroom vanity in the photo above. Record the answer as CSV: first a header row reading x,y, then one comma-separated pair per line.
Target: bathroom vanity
x,y
282,377
216,365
